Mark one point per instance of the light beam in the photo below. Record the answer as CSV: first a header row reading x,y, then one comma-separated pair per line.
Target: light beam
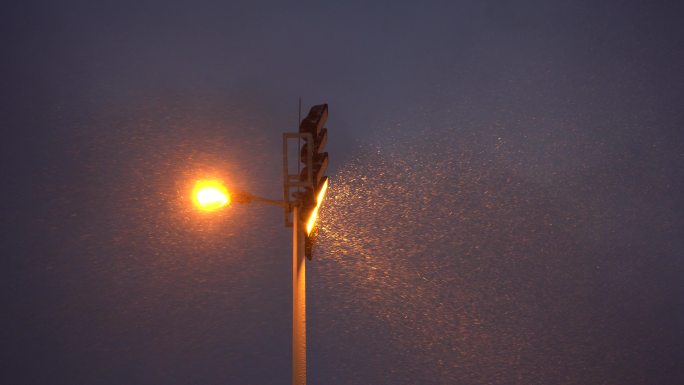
x,y
314,213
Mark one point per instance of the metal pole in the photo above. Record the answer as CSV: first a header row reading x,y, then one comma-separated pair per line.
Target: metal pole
x,y
298,302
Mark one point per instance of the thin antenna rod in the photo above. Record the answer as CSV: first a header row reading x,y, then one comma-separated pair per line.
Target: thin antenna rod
x,y
299,144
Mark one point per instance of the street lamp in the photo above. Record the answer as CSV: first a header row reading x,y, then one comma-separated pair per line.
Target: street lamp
x,y
210,195
303,196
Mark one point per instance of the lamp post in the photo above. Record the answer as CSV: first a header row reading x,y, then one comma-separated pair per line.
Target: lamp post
x,y
298,302
308,188
303,195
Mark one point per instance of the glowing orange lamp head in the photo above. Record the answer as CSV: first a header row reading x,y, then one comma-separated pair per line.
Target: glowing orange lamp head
x,y
210,195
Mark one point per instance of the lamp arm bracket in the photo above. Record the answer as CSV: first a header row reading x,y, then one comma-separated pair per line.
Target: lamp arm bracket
x,y
248,198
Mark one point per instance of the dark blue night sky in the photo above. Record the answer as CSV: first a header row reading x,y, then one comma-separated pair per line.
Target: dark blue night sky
x,y
505,203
